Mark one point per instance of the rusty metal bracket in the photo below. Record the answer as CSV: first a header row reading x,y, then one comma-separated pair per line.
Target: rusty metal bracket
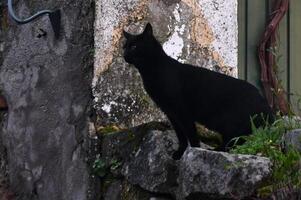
x,y
3,104
54,16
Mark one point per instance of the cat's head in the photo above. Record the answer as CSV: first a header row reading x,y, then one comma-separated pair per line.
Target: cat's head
x,y
139,47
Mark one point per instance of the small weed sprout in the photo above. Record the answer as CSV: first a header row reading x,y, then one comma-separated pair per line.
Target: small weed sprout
x,y
99,167
102,168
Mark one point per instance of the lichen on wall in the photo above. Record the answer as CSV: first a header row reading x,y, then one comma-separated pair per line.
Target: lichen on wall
x,y
112,15
198,32
221,18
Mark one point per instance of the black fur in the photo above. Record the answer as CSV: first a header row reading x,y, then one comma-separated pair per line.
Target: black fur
x,y
189,94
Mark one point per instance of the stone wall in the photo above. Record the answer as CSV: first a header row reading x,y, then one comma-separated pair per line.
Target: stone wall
x,y
4,193
199,32
138,165
47,86
47,82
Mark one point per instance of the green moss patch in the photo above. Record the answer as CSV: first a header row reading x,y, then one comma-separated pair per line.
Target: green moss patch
x,y
102,130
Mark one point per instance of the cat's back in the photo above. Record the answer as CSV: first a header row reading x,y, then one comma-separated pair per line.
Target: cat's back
x,y
207,87
212,79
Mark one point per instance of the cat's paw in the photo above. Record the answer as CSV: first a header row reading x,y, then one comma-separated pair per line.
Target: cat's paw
x,y
177,155
196,144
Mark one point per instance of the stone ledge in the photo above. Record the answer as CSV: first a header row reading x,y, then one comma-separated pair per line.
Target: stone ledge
x,y
200,173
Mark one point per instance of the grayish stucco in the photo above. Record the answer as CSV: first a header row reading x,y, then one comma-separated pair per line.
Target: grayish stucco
x,y
47,86
199,32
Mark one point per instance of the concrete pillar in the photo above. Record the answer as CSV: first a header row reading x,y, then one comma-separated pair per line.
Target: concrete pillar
x,y
198,32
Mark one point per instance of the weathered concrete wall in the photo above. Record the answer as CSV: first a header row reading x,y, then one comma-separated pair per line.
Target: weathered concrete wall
x,y
47,85
4,191
199,32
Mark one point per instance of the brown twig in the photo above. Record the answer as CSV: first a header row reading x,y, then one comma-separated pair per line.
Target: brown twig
x,y
275,94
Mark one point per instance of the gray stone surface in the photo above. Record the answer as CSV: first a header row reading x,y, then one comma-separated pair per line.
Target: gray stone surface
x,y
159,198
121,146
123,190
3,159
200,174
47,85
217,175
5,193
292,139
152,167
114,191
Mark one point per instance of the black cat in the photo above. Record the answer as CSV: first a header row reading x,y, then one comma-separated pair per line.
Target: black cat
x,y
189,94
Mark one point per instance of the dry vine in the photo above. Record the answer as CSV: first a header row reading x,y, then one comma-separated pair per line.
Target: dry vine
x,y
274,92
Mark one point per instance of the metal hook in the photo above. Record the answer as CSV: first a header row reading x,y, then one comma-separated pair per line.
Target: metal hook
x,y
54,16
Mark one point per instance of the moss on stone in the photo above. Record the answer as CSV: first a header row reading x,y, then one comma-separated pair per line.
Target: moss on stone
x,y
103,130
130,192
106,182
209,137
161,126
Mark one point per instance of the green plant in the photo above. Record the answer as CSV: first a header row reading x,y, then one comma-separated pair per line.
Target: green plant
x,y
99,167
115,164
267,141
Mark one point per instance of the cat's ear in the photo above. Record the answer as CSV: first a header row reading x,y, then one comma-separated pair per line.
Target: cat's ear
x,y
148,30
126,34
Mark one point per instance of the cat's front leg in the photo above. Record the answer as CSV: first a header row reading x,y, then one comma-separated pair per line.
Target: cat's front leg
x,y
183,143
191,133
